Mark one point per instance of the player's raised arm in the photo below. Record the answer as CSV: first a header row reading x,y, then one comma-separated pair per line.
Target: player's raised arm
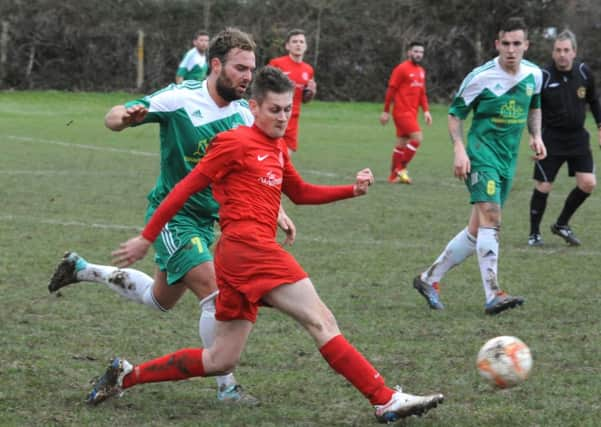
x,y
120,117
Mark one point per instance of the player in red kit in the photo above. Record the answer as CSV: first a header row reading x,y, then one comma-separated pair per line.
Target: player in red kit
x,y
301,74
248,169
407,92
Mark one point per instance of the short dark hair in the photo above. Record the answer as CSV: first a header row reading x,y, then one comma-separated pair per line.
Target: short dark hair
x,y
567,35
294,32
201,33
415,43
226,40
515,23
270,79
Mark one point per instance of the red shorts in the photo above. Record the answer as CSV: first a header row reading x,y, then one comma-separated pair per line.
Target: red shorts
x,y
248,269
405,123
291,135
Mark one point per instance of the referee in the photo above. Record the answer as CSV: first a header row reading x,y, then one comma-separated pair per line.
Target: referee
x,y
568,86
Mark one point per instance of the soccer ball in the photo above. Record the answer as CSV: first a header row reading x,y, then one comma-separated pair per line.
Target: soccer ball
x,y
504,361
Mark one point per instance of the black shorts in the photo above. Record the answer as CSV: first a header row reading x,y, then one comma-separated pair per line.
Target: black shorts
x,y
545,170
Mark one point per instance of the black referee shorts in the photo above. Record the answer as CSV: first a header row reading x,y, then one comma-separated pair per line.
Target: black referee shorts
x,y
545,170
568,147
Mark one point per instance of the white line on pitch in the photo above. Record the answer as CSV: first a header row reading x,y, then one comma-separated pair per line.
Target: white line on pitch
x,y
68,173
83,146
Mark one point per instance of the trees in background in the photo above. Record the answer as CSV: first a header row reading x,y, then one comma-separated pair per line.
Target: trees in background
x,y
89,45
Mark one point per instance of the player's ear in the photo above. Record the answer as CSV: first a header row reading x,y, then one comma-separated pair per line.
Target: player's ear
x,y
216,64
254,106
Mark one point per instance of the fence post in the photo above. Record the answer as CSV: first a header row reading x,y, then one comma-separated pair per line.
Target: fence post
x,y
140,64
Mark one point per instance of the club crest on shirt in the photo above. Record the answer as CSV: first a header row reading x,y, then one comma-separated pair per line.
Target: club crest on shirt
x,y
281,159
529,89
305,76
581,92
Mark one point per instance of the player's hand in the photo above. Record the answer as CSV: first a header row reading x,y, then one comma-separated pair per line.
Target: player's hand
x,y
131,251
540,151
461,164
134,114
364,179
384,117
288,227
428,118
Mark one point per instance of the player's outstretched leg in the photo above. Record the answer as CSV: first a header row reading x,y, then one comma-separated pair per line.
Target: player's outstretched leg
x,y
403,405
66,271
111,382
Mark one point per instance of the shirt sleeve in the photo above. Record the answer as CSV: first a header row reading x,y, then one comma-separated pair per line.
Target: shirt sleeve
x,y
159,104
592,97
225,153
303,193
462,102
423,101
194,182
393,85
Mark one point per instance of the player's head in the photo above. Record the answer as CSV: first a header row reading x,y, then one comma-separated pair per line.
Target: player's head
x,y
296,44
271,101
415,52
564,50
512,43
231,60
201,41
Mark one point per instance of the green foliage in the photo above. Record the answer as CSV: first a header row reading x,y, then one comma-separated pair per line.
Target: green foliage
x,y
353,46
68,183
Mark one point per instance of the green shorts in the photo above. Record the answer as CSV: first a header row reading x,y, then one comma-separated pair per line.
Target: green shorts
x,y
486,185
183,244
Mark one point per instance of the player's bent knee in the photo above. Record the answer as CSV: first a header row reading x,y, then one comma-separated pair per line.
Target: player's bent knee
x,y
588,186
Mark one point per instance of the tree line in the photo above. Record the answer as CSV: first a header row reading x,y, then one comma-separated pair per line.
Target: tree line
x,y
86,45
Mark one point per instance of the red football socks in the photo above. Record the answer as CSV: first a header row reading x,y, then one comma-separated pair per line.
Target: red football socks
x,y
182,364
409,151
351,364
401,156
397,160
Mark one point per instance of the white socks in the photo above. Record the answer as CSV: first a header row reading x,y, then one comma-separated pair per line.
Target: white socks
x,y
206,330
457,250
487,247
127,282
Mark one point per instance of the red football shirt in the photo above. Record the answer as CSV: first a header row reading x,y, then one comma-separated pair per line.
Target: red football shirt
x,y
248,171
407,89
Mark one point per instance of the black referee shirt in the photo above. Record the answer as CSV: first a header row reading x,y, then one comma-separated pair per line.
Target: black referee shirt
x,y
563,101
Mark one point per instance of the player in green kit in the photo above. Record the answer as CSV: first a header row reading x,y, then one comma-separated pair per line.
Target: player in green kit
x,y
504,95
189,116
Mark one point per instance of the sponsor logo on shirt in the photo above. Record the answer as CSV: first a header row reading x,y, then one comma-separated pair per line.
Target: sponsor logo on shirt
x,y
270,179
510,113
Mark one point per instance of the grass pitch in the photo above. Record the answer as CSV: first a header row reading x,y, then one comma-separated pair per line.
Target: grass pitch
x,y
69,183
